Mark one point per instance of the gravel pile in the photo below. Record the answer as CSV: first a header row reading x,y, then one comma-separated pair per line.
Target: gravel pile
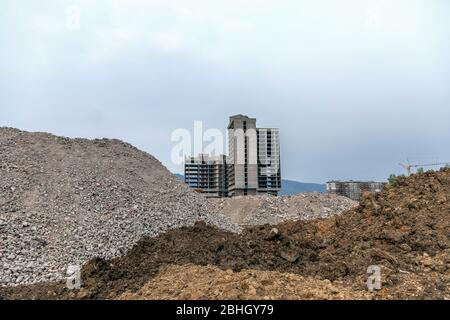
x,y
404,230
267,209
64,201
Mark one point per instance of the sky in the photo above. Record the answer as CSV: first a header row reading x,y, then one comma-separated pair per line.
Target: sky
x,y
355,86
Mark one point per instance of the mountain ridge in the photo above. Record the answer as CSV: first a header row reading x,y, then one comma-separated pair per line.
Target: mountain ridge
x,y
291,187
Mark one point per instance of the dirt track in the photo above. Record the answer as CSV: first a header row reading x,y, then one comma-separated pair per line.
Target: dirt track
x,y
210,283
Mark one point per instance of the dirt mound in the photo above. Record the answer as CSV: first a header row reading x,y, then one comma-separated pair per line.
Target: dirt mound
x,y
64,201
393,227
255,248
267,209
404,230
193,282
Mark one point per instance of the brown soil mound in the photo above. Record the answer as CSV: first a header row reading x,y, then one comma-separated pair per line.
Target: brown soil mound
x,y
191,282
405,230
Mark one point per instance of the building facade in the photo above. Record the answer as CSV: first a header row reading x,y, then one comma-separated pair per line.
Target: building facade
x,y
242,154
252,166
269,171
354,189
207,174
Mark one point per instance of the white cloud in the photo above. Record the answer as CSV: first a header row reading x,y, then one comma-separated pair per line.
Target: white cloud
x,y
150,66
168,40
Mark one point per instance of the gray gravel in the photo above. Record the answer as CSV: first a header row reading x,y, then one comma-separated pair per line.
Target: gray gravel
x,y
64,201
267,209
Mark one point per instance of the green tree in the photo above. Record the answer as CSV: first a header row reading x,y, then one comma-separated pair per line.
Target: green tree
x,y
392,179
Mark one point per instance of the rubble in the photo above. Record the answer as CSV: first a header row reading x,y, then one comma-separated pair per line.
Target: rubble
x,y
404,232
268,209
64,201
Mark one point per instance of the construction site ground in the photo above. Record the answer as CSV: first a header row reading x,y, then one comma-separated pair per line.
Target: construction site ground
x,y
404,231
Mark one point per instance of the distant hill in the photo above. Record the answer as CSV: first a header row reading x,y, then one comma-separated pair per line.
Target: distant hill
x,y
179,176
289,187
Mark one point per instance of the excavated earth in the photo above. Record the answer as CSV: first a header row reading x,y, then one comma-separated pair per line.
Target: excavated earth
x,y
405,230
211,283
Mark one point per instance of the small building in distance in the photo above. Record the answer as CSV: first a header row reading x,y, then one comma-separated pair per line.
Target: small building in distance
x,y
207,174
354,189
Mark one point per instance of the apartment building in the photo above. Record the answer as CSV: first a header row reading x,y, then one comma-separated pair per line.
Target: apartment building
x,y
354,189
207,174
252,166
269,172
254,154
243,156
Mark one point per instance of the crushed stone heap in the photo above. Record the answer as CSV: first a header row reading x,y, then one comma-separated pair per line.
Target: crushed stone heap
x,y
267,209
64,201
404,230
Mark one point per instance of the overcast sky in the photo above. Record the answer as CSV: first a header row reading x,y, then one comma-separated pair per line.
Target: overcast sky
x,y
355,86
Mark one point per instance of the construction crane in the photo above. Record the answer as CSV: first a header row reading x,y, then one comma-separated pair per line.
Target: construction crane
x,y
409,166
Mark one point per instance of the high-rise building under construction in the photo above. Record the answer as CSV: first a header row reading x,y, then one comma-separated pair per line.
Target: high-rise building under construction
x,y
252,166
254,154
207,174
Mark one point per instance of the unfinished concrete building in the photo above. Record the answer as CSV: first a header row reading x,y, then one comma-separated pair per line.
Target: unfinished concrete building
x,y
354,189
252,166
269,172
207,174
242,150
254,154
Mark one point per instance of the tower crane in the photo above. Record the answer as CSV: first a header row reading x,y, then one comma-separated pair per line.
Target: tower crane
x,y
409,166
